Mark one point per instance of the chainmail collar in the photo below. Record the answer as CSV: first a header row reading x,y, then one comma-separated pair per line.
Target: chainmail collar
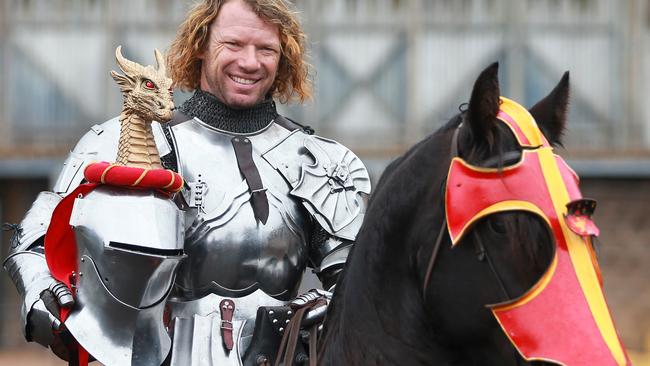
x,y
213,112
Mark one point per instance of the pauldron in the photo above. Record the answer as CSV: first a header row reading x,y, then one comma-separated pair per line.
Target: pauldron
x,y
331,181
99,144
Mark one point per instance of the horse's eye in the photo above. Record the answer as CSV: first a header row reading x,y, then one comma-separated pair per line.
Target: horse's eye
x,y
497,226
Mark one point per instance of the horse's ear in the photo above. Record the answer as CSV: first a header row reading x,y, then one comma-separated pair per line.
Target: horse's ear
x,y
484,104
550,113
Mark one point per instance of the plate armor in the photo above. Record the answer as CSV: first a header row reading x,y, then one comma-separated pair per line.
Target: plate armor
x,y
233,256
316,193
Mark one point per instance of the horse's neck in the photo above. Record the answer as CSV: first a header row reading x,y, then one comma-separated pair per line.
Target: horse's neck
x,y
375,322
137,146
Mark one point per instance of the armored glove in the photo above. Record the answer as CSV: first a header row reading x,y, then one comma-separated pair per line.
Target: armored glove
x,y
315,315
42,295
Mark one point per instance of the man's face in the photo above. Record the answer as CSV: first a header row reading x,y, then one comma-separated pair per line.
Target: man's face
x,y
241,57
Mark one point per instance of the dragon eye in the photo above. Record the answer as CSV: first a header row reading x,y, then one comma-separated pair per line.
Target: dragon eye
x,y
149,84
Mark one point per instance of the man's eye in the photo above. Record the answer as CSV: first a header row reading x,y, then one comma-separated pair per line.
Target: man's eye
x,y
269,51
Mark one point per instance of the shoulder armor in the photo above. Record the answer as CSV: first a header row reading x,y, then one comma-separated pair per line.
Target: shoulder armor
x,y
98,144
332,181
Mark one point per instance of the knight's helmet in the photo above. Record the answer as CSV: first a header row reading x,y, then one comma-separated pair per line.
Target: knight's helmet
x,y
129,243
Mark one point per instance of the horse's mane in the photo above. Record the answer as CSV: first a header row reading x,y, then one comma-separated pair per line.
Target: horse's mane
x,y
383,207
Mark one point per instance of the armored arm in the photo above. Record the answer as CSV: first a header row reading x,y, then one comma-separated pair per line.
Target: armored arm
x,y
328,255
26,263
28,270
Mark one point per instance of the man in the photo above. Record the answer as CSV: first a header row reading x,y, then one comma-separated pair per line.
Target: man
x,y
262,200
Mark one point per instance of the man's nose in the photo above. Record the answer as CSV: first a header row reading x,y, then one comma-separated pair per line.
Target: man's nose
x,y
248,59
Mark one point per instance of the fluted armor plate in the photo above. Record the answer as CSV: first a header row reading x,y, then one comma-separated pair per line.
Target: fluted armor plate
x,y
329,178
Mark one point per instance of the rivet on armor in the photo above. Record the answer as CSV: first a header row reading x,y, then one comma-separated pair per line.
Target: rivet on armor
x,y
289,312
275,321
286,321
271,312
281,329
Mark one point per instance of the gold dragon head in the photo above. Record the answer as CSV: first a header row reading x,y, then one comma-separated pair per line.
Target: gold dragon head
x,y
147,91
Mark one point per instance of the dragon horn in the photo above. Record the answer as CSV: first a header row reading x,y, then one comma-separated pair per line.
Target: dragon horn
x,y
129,67
160,61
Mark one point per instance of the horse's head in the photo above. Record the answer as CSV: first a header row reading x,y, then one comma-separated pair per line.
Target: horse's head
x,y
513,261
476,250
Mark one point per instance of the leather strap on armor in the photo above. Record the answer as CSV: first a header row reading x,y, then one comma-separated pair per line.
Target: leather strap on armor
x,y
227,308
244,154
292,125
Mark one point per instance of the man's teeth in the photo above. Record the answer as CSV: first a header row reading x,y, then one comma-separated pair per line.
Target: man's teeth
x,y
242,80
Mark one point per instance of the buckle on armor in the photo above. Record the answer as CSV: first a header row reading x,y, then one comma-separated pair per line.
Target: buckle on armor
x,y
227,309
226,324
197,190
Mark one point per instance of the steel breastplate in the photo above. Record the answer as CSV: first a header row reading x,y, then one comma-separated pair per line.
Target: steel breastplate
x,y
229,253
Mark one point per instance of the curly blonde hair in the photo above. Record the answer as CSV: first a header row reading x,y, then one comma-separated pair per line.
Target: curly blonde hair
x,y
292,80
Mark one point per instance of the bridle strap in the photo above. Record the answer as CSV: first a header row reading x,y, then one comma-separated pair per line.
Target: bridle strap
x,y
484,255
432,259
510,155
443,227
482,250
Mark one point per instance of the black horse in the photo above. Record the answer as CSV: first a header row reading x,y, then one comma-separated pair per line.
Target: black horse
x,y
382,313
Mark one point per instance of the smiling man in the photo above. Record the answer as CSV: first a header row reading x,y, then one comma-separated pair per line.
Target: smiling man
x,y
240,60
263,197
